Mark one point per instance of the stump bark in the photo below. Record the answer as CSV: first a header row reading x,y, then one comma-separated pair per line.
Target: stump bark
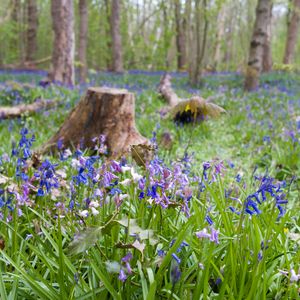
x,y
102,111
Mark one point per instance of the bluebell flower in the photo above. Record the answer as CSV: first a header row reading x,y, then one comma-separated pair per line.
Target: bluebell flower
x,y
177,259
209,220
175,273
122,275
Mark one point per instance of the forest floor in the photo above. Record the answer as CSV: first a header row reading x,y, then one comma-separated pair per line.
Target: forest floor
x,y
215,214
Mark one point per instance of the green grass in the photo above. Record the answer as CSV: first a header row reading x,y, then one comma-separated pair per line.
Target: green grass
x,y
52,251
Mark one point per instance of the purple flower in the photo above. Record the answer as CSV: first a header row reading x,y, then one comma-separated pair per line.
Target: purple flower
x,y
122,275
175,273
178,260
214,237
202,234
127,257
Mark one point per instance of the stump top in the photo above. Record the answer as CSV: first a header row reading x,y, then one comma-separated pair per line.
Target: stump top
x,y
108,90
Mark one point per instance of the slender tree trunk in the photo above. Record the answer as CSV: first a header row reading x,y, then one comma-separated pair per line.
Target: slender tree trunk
x,y
108,35
292,33
64,42
255,61
165,33
18,40
197,66
267,57
117,63
180,37
220,36
32,15
83,30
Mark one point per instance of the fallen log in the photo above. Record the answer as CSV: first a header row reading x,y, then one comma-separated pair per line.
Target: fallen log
x,y
195,109
7,112
102,111
166,91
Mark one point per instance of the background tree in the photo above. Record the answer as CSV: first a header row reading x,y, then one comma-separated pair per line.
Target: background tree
x,y
32,29
291,38
197,63
83,31
267,56
258,40
180,35
117,61
64,42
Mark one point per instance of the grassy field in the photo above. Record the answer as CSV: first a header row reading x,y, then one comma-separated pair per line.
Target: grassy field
x,y
213,216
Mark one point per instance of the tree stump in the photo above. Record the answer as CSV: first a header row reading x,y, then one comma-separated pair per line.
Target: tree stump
x,y
102,111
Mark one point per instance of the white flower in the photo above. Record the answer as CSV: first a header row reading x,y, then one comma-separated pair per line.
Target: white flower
x,y
95,212
75,163
94,204
67,153
61,173
123,196
96,178
126,182
125,169
294,277
136,177
83,213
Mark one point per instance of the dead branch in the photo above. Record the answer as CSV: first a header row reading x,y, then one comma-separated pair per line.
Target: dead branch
x,y
7,112
186,110
166,91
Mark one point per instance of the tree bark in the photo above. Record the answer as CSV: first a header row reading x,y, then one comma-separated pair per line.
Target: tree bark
x,y
292,33
83,30
219,36
32,21
108,36
180,37
255,61
103,111
117,61
166,91
64,42
19,110
267,57
196,68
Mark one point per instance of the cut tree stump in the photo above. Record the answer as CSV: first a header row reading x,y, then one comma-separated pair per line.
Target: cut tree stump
x,y
195,109
102,111
10,112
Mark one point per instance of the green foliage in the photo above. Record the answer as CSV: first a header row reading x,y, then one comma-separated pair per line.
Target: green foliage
x,y
52,252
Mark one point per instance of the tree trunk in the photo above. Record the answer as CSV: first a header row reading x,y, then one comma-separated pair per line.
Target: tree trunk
x,y
196,67
64,42
267,57
32,15
108,36
103,111
180,37
219,37
292,33
257,45
83,30
117,63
